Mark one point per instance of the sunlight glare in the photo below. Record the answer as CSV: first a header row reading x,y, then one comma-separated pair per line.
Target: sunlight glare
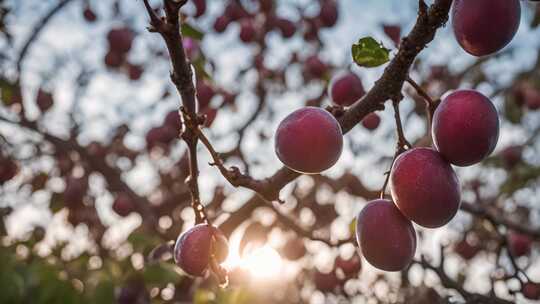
x,y
263,263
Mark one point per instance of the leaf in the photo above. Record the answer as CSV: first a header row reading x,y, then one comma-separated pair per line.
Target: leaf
x,y
39,181
161,274
103,293
370,53
56,202
512,111
190,31
142,242
519,178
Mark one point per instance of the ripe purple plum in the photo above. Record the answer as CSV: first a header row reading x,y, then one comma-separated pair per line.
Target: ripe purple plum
x,y
123,205
483,27
326,282
465,127
162,135
120,39
387,239
511,156
346,89
286,27
113,59
371,121
221,23
173,120
8,169
89,15
195,247
294,249
466,249
315,67
205,93
393,32
134,71
44,100
200,7
309,140
247,31
350,266
531,290
425,188
329,13
519,244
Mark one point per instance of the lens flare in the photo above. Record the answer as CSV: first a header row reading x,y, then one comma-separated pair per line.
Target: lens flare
x,y
263,263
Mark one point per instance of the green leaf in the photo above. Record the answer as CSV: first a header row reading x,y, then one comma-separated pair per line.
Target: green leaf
x,y
57,202
104,293
370,53
190,31
161,274
512,111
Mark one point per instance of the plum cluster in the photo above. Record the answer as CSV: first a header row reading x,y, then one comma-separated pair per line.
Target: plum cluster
x,y
424,187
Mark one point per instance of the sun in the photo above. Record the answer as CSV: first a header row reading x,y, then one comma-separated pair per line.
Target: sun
x,y
263,263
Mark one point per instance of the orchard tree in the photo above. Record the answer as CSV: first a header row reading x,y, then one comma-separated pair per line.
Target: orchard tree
x,y
264,151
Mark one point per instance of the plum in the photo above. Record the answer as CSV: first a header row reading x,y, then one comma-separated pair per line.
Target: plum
x,y
294,249
113,59
8,169
328,14
371,121
123,205
351,266
346,89
519,244
195,247
286,27
172,119
162,135
44,100
309,140
393,32
315,67
205,93
326,282
134,71
465,127
89,15
483,27
200,7
425,188
247,31
120,39
531,291
221,23
386,238
511,156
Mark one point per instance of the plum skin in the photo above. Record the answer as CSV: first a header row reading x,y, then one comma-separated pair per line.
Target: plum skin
x,y
483,27
371,121
194,248
425,188
309,140
386,238
465,127
346,89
